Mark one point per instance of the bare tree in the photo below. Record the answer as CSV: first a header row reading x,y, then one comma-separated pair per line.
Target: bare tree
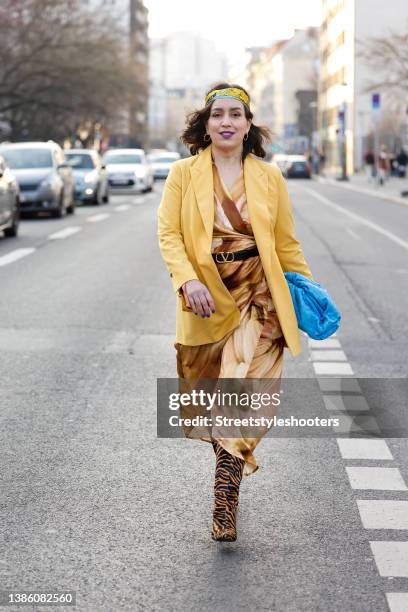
x,y
61,65
388,57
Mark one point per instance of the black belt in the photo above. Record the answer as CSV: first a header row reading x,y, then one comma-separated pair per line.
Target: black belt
x,y
228,256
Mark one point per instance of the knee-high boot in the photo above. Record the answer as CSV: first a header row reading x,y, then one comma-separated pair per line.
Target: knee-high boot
x,y
228,475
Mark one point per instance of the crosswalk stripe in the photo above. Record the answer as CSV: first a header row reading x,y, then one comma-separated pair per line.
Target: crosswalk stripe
x,y
346,402
391,558
322,344
397,602
339,385
383,513
376,478
332,368
352,448
328,355
64,233
15,255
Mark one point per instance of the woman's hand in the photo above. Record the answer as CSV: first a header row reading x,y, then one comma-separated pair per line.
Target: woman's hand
x,y
198,298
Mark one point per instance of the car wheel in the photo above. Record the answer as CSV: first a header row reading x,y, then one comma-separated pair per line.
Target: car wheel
x,y
71,207
106,196
12,231
97,198
60,211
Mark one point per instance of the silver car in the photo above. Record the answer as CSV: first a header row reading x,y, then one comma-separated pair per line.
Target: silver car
x,y
90,176
9,201
45,179
162,161
128,169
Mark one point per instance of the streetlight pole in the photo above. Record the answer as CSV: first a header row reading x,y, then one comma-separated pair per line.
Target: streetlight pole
x,y
343,142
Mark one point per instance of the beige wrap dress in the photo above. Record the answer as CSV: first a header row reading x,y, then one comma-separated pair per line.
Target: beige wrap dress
x,y
255,348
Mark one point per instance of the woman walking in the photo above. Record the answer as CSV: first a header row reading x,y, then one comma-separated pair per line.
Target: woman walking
x,y
227,235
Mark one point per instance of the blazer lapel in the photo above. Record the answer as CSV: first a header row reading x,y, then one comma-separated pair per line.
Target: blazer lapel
x,y
256,187
202,179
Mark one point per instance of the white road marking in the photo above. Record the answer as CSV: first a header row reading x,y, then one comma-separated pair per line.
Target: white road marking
x,y
352,448
64,233
383,513
15,255
397,602
391,558
353,233
327,343
328,355
346,402
360,219
333,369
98,217
361,424
376,478
121,207
339,385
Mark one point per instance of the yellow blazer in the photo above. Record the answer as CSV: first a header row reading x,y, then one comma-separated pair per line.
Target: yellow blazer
x,y
185,226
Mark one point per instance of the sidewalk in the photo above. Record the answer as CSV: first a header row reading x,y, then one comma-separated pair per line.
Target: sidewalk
x,y
391,190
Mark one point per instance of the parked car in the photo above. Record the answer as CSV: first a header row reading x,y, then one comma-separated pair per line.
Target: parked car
x,y
298,167
9,200
161,162
129,169
282,161
45,179
90,176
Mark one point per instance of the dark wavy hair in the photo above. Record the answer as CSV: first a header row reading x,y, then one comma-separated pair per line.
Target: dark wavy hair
x,y
195,130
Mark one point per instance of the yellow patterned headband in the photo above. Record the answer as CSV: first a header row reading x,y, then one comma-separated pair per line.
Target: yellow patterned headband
x,y
229,92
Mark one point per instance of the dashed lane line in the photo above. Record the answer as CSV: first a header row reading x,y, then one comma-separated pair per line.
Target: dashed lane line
x,y
98,217
15,255
64,233
121,207
359,218
391,556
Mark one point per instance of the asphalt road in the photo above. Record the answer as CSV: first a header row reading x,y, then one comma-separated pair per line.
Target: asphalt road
x,y
94,502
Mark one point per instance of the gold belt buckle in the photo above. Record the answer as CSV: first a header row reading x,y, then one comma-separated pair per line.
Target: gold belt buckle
x,y
224,256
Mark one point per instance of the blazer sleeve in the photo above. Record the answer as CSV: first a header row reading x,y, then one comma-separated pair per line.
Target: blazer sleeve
x,y
288,248
170,233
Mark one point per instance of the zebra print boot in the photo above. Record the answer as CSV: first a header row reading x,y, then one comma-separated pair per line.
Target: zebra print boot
x,y
228,476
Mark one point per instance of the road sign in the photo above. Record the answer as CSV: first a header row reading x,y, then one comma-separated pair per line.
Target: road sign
x,y
375,101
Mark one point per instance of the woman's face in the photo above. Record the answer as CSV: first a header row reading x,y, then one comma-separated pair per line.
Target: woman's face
x,y
227,124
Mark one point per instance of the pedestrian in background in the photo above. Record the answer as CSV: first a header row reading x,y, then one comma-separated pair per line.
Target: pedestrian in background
x,y
402,161
227,235
369,161
383,165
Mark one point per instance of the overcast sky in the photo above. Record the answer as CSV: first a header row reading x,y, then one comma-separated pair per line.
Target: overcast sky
x,y
233,24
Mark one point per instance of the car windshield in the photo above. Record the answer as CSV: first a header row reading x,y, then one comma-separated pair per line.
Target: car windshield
x,y
163,160
122,158
80,160
18,159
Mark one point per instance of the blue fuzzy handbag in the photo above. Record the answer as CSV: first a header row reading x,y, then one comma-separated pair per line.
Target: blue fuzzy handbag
x,y
316,312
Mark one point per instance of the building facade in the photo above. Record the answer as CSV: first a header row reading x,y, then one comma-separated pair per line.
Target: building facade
x,y
182,66
130,18
346,120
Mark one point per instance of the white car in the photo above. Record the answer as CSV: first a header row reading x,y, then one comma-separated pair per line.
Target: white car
x,y
162,161
128,169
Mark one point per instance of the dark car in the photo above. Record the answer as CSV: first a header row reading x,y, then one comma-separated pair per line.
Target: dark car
x,y
9,200
45,179
298,167
90,176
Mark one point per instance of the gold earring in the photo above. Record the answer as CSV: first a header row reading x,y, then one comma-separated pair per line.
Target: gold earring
x,y
207,139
